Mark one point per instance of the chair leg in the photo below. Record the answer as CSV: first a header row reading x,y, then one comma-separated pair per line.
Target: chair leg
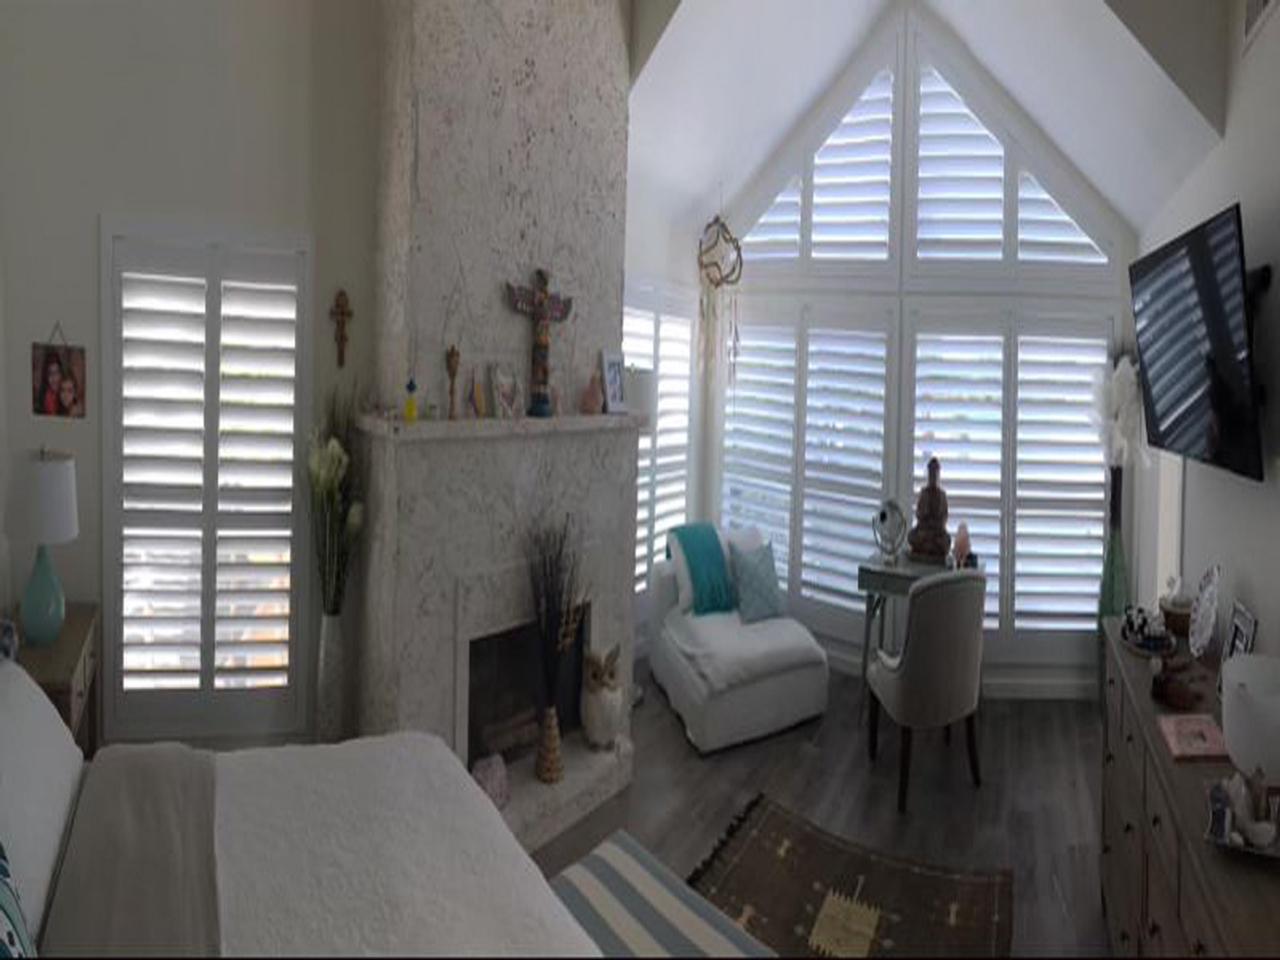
x,y
873,724
904,769
971,734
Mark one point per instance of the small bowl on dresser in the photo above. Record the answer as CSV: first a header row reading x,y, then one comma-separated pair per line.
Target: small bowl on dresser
x,y
1177,617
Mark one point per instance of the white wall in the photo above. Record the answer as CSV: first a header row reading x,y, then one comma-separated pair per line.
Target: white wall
x,y
1227,519
233,114
1188,38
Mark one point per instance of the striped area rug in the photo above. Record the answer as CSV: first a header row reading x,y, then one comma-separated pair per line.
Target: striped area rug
x,y
633,906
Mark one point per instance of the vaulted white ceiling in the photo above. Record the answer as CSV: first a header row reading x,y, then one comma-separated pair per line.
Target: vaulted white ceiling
x,y
730,78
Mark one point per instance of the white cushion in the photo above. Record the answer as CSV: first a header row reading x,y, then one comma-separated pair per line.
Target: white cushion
x,y
40,767
744,712
745,539
727,653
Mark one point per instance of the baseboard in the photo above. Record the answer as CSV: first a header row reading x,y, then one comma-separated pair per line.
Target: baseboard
x,y
999,681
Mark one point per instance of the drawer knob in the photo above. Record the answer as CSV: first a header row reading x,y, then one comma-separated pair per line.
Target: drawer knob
x,y
1106,848
1109,758
1124,936
1199,949
1128,738
1111,681
1154,930
1155,820
1128,828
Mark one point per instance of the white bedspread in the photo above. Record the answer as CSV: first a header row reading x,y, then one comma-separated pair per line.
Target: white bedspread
x,y
381,845
727,653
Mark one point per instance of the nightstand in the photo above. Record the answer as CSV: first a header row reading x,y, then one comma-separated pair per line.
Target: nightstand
x,y
68,672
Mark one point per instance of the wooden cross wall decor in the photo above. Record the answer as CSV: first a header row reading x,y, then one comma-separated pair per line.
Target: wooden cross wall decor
x,y
340,315
545,308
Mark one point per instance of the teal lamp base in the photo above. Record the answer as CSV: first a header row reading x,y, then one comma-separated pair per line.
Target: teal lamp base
x,y
44,605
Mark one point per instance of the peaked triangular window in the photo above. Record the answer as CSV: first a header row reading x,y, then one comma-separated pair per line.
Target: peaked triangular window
x,y
851,180
776,235
961,178
1046,234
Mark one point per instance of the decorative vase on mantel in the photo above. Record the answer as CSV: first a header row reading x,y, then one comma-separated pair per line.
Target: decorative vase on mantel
x,y
333,694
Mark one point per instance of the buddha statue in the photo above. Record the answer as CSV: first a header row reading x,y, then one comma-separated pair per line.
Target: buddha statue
x,y
928,539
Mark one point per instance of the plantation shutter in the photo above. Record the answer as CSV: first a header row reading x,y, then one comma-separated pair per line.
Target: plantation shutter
x,y
959,382
1173,343
1046,234
671,460
758,438
776,235
960,212
162,378
256,431
201,595
639,330
851,180
843,460
1060,508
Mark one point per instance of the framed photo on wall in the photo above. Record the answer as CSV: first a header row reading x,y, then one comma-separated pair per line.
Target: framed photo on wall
x,y
613,373
59,385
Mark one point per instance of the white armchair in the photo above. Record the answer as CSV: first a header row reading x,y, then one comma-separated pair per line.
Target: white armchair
x,y
934,680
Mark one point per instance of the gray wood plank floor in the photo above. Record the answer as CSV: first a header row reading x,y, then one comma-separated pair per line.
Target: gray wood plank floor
x,y
1035,813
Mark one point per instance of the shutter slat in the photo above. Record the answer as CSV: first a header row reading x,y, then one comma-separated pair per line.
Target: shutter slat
x,y
1046,234
162,385
776,235
960,213
758,439
1059,520
256,451
852,174
959,410
843,461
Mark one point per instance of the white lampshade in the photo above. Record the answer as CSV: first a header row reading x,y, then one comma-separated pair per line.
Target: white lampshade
x,y
42,507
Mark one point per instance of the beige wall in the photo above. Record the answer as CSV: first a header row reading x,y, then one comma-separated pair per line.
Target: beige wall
x,y
503,149
1227,519
232,114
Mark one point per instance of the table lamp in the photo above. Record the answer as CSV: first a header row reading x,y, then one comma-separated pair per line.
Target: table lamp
x,y
44,513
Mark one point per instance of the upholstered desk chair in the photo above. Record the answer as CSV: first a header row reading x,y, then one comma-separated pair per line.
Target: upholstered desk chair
x,y
933,681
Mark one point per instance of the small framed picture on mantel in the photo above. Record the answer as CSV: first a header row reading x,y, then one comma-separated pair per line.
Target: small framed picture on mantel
x,y
612,373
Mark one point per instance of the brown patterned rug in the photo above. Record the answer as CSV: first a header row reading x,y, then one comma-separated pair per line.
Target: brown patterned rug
x,y
805,892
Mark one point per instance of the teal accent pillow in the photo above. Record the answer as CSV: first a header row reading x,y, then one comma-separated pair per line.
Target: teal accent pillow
x,y
708,572
756,578
15,941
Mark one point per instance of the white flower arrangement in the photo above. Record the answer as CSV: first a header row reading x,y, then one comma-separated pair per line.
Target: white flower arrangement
x,y
1118,411
337,516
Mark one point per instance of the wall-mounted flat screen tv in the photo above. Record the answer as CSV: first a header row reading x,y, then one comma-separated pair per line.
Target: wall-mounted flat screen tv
x,y
1194,347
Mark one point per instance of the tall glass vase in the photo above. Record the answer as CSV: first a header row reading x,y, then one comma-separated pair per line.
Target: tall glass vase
x,y
333,700
1114,594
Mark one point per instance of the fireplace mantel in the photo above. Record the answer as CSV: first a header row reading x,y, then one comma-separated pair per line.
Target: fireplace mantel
x,y
494,429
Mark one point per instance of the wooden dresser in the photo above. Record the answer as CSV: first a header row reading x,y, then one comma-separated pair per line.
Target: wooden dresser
x,y
1165,890
67,671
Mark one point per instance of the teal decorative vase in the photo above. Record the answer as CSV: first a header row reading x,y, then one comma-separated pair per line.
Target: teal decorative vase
x,y
1114,594
44,605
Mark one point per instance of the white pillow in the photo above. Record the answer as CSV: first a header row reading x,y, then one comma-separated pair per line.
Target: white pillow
x,y
745,539
40,767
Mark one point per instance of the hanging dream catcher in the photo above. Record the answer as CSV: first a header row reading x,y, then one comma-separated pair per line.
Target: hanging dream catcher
x,y
719,270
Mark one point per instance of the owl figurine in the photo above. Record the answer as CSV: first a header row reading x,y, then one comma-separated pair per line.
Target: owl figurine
x,y
602,702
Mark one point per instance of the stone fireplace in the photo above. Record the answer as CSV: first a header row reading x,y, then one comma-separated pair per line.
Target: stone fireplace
x,y
450,508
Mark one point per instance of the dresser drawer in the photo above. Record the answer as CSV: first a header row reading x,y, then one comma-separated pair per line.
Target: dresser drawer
x,y
1111,693
1130,753
1197,928
1162,933
1159,824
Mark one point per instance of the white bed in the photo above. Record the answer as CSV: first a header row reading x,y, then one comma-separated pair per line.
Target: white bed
x,y
375,846
732,682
